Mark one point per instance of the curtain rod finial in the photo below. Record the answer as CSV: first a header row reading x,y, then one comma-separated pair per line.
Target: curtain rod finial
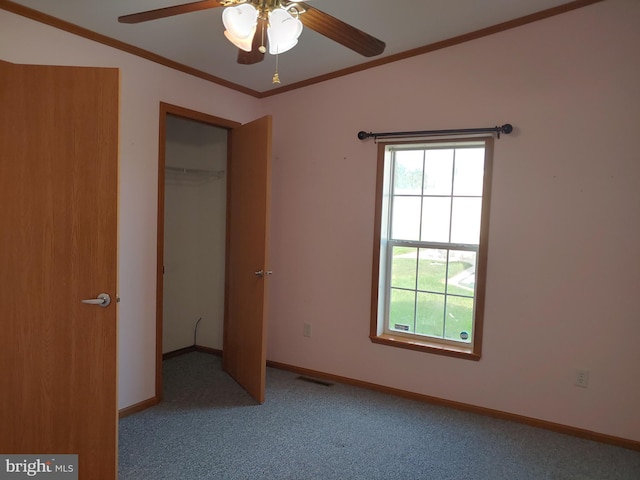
x,y
363,135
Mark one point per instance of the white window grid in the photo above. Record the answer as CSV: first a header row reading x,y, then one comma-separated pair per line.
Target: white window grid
x,y
447,246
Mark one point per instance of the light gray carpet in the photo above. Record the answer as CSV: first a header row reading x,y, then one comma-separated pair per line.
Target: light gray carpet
x,y
207,427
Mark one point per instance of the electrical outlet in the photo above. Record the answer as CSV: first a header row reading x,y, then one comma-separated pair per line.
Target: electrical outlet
x,y
582,378
306,330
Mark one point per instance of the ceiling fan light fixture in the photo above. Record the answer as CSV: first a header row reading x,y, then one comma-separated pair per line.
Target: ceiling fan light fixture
x,y
283,31
244,43
240,23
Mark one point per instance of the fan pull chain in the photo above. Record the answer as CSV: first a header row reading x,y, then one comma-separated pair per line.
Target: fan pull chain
x,y
262,48
276,77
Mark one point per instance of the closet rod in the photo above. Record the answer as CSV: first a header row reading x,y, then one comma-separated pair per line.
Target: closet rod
x,y
192,171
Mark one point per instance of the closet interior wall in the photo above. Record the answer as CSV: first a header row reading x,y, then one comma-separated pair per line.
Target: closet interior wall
x,y
194,234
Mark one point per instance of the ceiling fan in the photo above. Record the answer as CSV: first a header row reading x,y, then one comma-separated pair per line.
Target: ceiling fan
x,y
247,20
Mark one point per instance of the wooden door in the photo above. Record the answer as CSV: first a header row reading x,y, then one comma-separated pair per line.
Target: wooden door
x,y
249,170
58,217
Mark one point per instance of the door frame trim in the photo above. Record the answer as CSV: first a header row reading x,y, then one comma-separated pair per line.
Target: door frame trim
x,y
169,109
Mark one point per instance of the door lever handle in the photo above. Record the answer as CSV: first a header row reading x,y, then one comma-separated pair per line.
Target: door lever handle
x,y
262,273
103,300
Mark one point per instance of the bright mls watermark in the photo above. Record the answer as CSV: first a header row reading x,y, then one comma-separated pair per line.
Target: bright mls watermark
x,y
50,467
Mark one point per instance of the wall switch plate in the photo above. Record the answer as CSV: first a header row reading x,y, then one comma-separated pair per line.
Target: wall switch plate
x,y
306,330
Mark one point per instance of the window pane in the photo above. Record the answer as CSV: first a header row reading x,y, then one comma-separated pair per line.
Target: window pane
x,y
407,174
406,218
403,267
436,214
430,314
459,319
432,195
402,310
461,277
432,270
438,169
469,171
465,220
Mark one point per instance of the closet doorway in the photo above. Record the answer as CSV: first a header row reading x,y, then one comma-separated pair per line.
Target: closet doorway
x,y
192,209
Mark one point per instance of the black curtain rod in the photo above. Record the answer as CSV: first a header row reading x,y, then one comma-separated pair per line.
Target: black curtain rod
x,y
506,128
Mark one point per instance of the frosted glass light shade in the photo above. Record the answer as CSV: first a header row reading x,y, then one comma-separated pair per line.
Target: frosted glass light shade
x,y
240,23
283,31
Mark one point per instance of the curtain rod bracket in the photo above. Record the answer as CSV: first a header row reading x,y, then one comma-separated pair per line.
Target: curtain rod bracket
x,y
507,128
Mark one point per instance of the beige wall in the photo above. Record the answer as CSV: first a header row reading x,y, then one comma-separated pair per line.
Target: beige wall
x,y
562,277
565,218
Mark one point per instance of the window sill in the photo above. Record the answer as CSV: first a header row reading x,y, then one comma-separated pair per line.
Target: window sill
x,y
426,346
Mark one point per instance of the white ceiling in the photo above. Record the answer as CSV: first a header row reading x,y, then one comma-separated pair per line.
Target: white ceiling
x,y
196,39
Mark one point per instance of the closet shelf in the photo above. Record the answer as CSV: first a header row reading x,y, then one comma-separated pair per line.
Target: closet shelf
x,y
192,175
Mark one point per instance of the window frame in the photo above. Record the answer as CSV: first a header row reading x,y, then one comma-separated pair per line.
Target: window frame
x,y
472,351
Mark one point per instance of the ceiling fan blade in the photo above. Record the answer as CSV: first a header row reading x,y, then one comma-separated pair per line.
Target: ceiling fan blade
x,y
168,11
259,39
341,32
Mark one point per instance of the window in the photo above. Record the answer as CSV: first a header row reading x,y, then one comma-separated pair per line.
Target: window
x,y
430,246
